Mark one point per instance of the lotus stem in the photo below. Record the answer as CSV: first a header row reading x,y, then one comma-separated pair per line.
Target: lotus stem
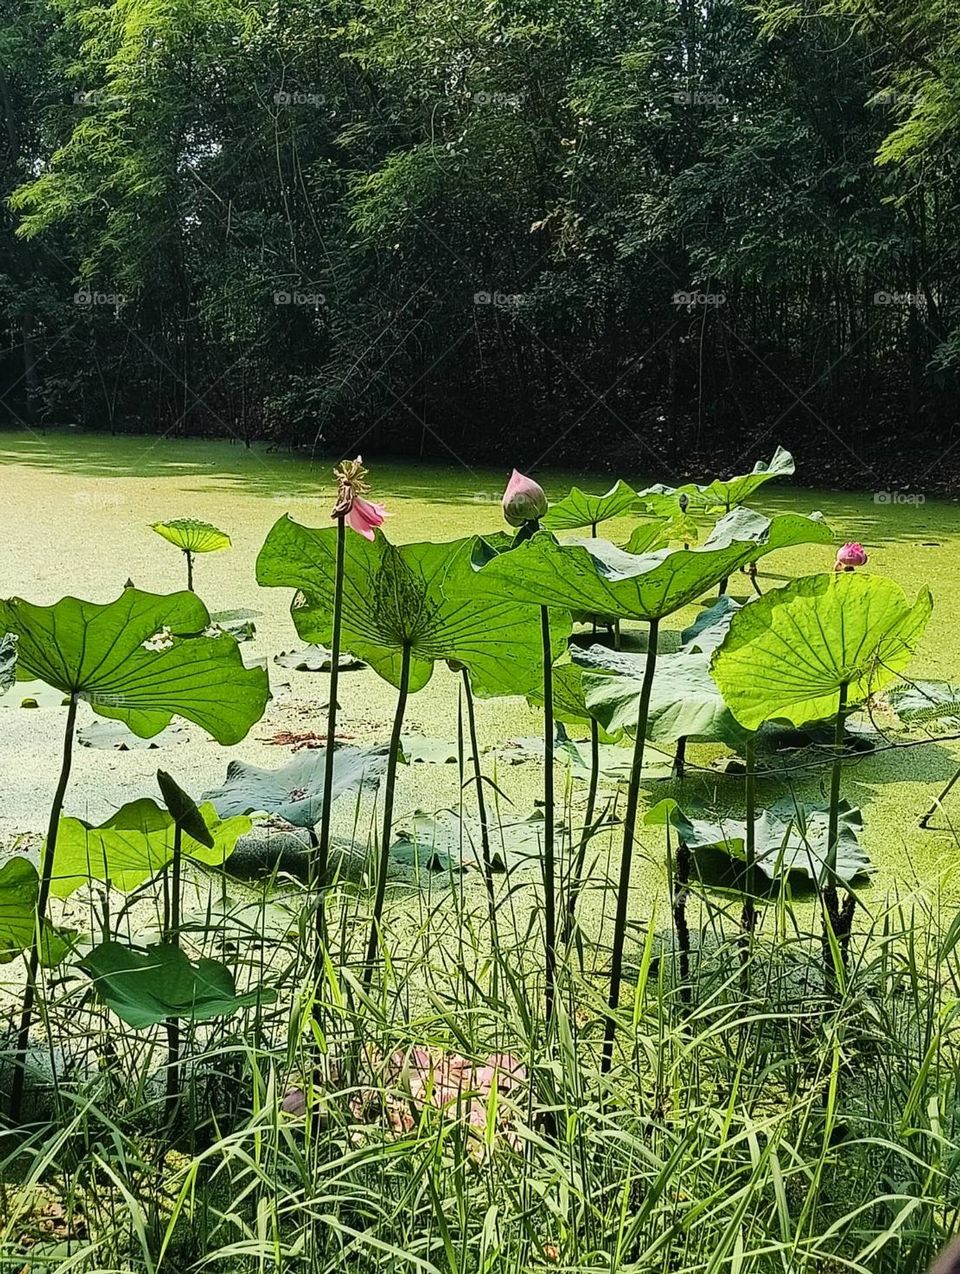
x,y
680,758
319,877
576,878
549,863
748,917
43,896
626,854
681,890
189,557
388,794
481,797
837,917
173,936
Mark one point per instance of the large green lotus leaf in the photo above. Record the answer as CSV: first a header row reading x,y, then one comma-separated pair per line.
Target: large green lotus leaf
x,y
141,659
19,890
146,987
192,536
424,595
8,661
649,536
133,845
600,579
294,792
788,842
720,495
684,700
579,508
786,655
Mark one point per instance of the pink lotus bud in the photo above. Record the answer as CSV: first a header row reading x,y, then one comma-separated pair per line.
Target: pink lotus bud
x,y
523,501
364,516
849,556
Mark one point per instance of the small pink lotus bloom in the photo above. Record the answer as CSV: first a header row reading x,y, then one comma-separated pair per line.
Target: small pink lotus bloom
x,y
849,556
364,516
523,501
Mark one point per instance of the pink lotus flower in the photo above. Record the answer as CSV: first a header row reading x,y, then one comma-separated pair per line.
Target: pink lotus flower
x,y
523,501
364,516
849,556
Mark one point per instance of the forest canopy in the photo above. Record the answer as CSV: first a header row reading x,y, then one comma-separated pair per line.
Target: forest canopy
x,y
680,230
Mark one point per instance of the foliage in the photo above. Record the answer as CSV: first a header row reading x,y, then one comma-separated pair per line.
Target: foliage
x,y
141,659
786,655
192,536
421,596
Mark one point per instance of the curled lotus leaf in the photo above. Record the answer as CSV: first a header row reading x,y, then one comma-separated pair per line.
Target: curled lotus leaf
x,y
134,844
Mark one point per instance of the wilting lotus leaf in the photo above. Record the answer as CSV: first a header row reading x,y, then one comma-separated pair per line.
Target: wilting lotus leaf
x,y
710,627
684,701
115,735
19,889
184,810
294,792
788,652
8,661
444,842
578,508
147,987
316,659
722,494
923,702
141,659
601,579
133,844
425,596
192,536
789,842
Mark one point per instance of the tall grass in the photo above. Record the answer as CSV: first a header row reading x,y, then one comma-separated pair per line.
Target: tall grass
x,y
746,1124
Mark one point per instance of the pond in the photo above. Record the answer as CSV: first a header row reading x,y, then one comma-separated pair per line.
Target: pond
x,y
75,518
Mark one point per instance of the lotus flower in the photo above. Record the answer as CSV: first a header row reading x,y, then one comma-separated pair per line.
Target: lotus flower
x,y
523,501
364,516
849,556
